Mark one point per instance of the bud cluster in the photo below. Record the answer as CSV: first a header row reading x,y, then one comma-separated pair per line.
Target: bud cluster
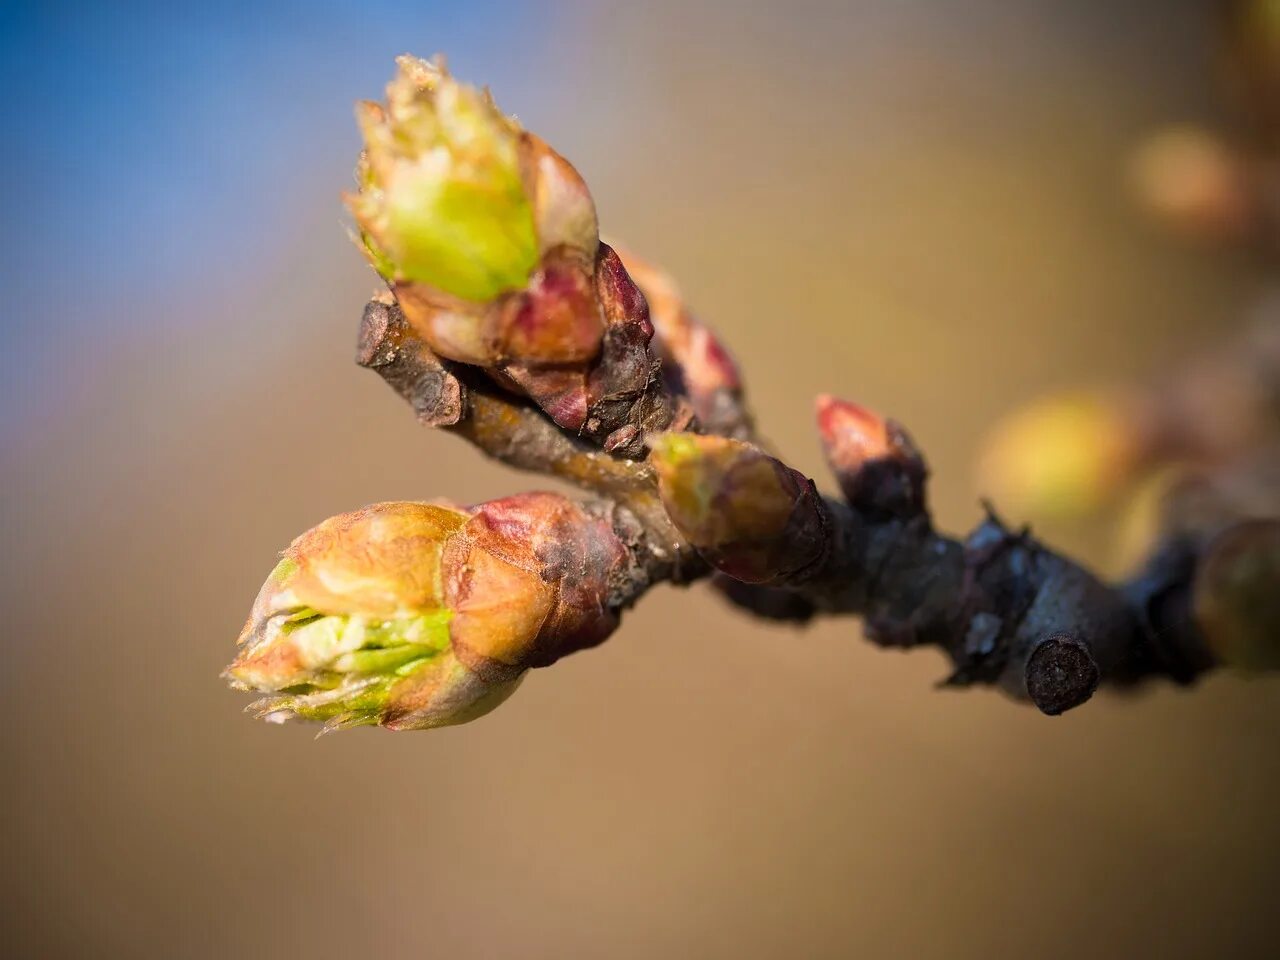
x,y
507,321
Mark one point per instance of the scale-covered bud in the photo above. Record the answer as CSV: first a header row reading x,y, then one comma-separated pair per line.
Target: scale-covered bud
x,y
750,515
529,581
416,615
694,361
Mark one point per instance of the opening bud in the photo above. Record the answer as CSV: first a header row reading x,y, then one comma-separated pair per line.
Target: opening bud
x,y
442,200
415,615
353,620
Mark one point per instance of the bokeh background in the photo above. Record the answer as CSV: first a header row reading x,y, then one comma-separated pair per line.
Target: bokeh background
x,y
917,205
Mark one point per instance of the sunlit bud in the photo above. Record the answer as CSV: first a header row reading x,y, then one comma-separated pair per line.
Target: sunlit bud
x,y
875,461
1194,183
1060,457
353,616
749,515
442,200
489,240
1236,596
413,615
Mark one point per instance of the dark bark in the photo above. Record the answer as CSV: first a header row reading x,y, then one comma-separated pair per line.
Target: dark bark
x,y
1007,610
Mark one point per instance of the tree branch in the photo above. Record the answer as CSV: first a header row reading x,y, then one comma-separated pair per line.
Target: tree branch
x,y
508,323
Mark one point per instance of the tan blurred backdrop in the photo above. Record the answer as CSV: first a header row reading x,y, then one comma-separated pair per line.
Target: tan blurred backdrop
x,y
920,206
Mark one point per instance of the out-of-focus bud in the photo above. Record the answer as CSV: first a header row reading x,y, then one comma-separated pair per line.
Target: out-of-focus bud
x,y
694,361
1061,457
873,458
414,615
1144,516
1253,59
749,515
1194,183
1236,596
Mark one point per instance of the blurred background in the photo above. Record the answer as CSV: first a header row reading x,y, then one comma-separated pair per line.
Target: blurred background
x,y
919,206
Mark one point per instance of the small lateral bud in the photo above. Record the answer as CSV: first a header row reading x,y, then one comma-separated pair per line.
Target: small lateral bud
x,y
874,459
694,361
1236,595
749,515
622,386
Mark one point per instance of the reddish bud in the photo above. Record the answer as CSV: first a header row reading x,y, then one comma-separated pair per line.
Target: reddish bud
x,y
874,460
695,362
529,581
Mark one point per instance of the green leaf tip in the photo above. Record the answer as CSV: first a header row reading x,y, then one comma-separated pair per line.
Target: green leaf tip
x,y
442,200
